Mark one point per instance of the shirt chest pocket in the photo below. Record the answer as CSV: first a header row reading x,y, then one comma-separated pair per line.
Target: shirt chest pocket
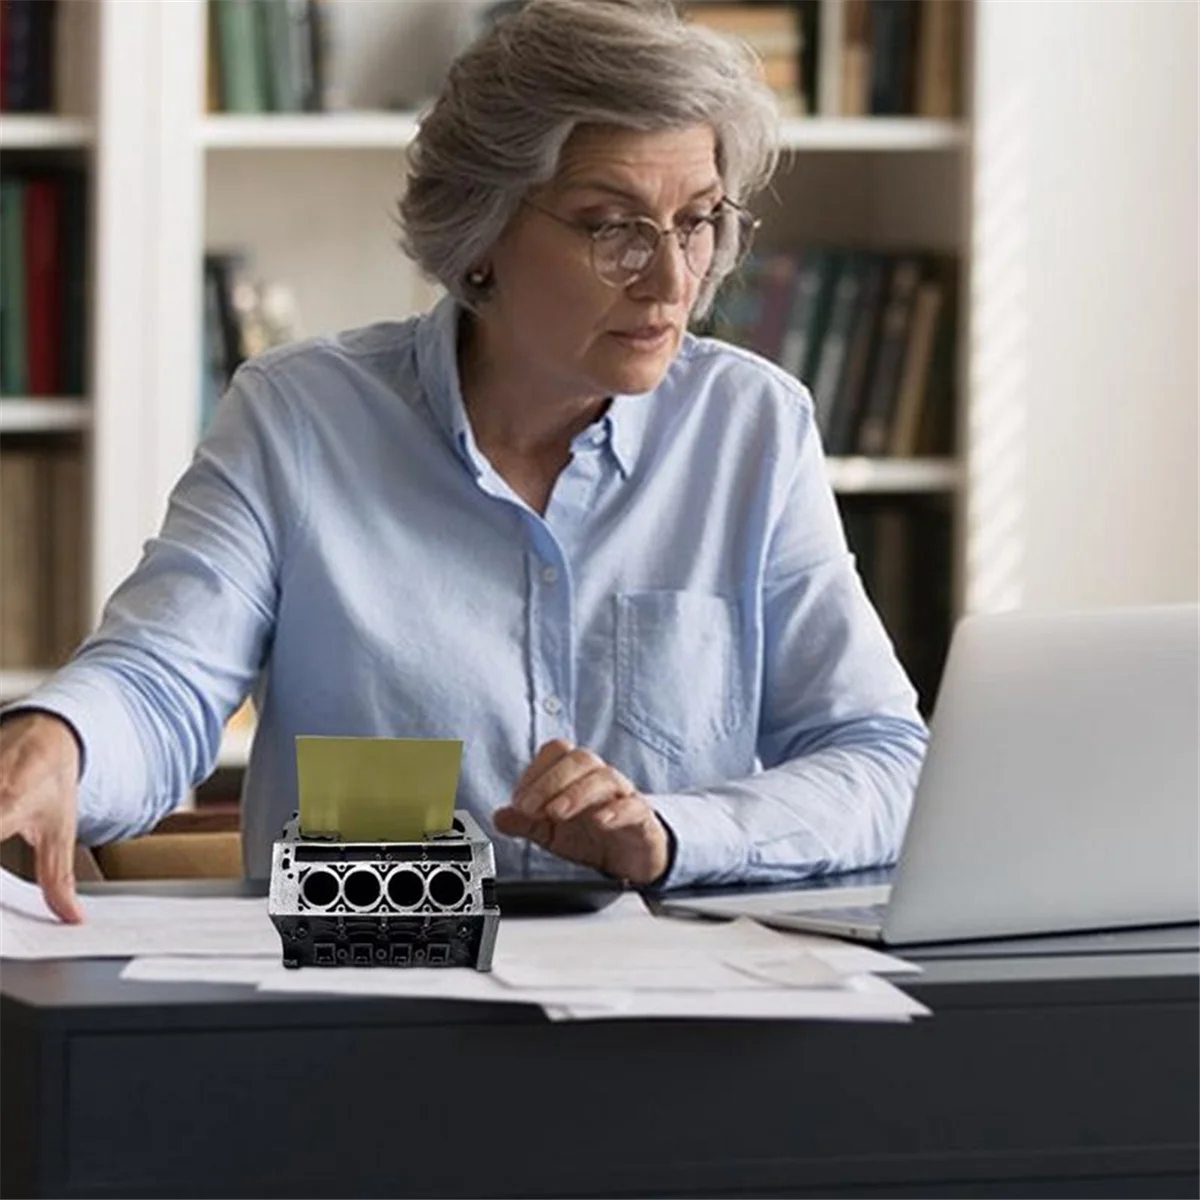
x,y
680,684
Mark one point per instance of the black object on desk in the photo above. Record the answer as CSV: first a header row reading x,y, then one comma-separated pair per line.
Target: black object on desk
x,y
555,897
1075,1075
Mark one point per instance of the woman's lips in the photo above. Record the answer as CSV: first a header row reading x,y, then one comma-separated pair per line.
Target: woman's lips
x,y
645,337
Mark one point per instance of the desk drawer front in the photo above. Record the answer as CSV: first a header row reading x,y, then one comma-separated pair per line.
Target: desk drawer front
x,y
634,1107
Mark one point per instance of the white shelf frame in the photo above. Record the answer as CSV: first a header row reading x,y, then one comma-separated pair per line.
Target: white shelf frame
x,y
42,131
899,134
36,414
858,475
394,131
312,131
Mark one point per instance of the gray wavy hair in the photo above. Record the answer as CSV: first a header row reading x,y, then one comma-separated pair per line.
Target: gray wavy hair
x,y
513,98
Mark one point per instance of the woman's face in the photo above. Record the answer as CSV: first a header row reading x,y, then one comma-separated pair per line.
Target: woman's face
x,y
574,334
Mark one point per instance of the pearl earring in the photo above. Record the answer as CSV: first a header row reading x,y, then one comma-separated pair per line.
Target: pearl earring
x,y
478,277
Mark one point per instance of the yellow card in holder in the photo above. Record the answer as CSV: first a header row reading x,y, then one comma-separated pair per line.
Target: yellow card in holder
x,y
376,789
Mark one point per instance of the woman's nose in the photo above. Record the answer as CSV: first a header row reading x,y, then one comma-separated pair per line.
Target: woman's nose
x,y
666,277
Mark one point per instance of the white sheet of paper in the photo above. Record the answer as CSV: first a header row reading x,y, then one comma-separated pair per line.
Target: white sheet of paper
x,y
656,953
199,969
270,975
863,998
860,998
574,1012
418,982
853,959
126,926
24,897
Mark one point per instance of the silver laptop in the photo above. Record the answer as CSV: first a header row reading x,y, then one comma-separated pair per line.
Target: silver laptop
x,y
1060,790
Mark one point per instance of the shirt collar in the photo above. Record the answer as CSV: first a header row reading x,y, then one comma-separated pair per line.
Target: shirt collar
x,y
437,369
623,423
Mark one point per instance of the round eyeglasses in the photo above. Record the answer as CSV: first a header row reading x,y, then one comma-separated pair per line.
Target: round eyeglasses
x,y
624,251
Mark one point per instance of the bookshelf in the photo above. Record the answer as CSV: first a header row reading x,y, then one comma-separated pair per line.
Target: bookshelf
x,y
90,122
48,143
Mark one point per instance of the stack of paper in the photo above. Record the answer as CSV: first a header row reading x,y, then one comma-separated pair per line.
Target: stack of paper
x,y
125,926
621,962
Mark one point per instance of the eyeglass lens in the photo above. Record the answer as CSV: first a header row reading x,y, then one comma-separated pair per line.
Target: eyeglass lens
x,y
627,252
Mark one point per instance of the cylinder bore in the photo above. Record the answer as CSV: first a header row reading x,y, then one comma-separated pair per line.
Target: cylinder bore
x,y
405,888
320,888
446,888
362,888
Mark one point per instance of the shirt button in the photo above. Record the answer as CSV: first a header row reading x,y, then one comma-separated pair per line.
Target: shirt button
x,y
552,705
549,574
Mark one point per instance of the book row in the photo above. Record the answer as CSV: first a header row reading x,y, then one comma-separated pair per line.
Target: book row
x,y
903,548
28,32
882,57
43,282
871,333
267,56
47,56
42,557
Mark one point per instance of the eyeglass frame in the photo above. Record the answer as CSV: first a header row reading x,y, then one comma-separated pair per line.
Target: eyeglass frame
x,y
748,222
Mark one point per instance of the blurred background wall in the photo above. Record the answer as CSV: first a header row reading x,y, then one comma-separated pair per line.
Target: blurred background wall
x,y
1112,434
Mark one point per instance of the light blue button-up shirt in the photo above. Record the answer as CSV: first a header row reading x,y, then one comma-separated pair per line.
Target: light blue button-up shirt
x,y
686,607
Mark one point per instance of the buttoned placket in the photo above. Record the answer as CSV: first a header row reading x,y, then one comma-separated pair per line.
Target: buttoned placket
x,y
549,634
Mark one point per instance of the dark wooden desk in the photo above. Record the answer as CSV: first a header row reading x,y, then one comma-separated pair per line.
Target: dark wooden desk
x,y
1074,1075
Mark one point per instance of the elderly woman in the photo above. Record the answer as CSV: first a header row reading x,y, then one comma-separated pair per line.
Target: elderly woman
x,y
542,518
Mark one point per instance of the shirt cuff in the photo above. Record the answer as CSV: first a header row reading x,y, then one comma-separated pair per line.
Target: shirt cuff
x,y
88,708
672,849
24,708
708,846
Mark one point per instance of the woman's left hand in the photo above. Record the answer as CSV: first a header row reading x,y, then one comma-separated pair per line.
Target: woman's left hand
x,y
572,803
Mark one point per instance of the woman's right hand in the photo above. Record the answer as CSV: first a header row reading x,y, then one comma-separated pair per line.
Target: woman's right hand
x,y
39,773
